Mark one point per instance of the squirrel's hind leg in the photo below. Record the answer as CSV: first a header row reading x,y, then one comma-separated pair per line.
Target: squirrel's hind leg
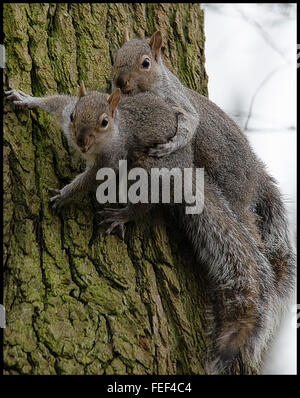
x,y
117,218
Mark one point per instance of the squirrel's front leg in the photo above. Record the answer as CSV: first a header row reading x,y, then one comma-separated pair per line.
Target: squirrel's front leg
x,y
22,99
63,196
84,182
117,218
57,200
61,106
187,123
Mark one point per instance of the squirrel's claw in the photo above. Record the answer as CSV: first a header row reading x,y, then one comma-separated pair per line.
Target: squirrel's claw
x,y
56,201
54,191
178,109
117,219
119,225
161,150
114,224
19,98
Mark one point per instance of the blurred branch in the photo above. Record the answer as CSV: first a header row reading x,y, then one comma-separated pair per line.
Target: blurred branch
x,y
240,116
264,34
265,80
272,129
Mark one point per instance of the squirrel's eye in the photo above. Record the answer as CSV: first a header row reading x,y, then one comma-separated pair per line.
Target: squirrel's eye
x,y
104,122
146,63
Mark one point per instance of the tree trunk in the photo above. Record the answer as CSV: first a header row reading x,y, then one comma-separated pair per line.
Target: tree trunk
x,y
78,301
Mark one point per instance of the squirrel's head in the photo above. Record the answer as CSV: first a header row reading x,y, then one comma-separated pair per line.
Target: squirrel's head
x,y
136,64
91,121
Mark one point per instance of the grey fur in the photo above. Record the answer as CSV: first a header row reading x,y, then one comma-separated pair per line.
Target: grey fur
x,y
224,151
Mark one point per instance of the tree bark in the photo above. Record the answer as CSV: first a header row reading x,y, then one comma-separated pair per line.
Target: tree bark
x,y
78,301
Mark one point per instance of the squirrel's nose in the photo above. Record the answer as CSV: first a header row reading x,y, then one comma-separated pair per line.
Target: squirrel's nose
x,y
122,82
82,140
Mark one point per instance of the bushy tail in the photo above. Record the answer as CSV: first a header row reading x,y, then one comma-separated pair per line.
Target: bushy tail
x,y
241,280
273,226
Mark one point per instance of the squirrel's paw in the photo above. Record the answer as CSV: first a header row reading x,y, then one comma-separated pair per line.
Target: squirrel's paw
x,y
116,217
20,99
177,108
160,150
56,201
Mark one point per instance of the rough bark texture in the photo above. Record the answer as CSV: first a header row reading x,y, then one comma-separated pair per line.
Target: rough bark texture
x,y
78,301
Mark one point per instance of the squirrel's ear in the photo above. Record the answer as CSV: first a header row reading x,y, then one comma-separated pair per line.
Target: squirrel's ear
x,y
155,44
125,35
82,90
114,99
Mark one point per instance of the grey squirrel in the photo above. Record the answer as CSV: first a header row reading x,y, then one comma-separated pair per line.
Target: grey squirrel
x,y
242,281
219,146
